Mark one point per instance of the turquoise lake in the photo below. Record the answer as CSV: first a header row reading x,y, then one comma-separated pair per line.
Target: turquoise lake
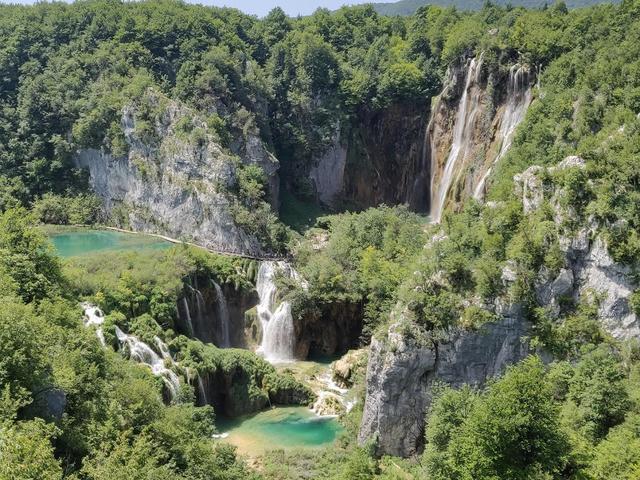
x,y
83,242
281,427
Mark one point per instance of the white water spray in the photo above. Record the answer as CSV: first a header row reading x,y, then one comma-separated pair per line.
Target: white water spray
x,y
93,317
141,352
278,335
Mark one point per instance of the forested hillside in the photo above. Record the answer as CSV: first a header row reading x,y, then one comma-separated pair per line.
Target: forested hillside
x,y
450,198
409,7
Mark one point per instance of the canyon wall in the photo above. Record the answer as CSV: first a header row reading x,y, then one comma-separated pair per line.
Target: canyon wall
x,y
427,157
377,159
174,182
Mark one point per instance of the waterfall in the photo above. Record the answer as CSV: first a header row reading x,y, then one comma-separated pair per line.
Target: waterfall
x,y
278,336
202,390
93,317
518,99
463,129
185,305
223,316
143,353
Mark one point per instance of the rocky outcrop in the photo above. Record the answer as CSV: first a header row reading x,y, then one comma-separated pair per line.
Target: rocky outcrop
x,y
403,371
590,273
175,179
345,370
243,383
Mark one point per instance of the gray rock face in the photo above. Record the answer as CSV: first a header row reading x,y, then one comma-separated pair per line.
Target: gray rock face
x,y
49,403
529,186
176,185
402,372
612,285
328,173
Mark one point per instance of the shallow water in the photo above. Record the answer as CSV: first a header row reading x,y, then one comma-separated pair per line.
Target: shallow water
x,y
82,242
281,427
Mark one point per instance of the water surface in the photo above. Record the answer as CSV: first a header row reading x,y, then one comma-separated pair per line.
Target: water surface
x,y
81,242
281,427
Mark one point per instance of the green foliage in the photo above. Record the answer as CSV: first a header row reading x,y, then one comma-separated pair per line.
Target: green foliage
x,y
355,258
83,209
511,431
26,257
26,452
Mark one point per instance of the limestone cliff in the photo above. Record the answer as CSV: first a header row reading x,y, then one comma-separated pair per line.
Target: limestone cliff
x,y
175,179
427,157
407,363
404,369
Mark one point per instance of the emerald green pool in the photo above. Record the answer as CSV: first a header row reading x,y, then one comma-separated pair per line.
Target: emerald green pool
x,y
82,242
282,427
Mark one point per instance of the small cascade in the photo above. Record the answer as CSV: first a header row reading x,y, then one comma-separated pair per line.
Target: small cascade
x,y
140,352
330,394
201,390
223,317
187,315
519,97
93,317
278,335
467,112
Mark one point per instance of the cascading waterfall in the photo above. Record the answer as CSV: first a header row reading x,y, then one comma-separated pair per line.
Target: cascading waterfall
x,y
518,99
278,335
93,317
143,353
463,128
223,316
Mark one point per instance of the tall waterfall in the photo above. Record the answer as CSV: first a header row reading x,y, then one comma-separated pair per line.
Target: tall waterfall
x,y
223,317
463,127
518,99
278,335
143,353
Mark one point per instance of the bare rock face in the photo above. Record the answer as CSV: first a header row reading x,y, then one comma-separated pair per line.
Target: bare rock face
x,y
344,369
174,182
529,187
327,174
403,371
611,283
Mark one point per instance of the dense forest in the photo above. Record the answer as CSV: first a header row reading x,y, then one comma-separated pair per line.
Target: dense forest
x,y
254,103
409,7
